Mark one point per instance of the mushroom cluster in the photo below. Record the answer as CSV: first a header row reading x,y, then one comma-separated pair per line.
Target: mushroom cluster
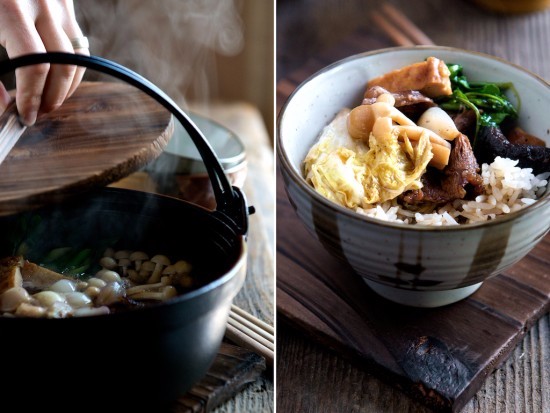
x,y
126,278
382,119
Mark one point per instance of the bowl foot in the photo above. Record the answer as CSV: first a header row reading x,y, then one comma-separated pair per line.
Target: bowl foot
x,y
425,299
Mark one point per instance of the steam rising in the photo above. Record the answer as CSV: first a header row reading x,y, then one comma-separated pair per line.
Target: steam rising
x,y
173,43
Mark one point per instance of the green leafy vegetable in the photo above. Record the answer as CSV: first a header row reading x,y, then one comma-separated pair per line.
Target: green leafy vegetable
x,y
487,100
73,253
69,261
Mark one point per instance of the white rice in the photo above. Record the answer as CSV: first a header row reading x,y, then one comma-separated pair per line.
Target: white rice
x,y
508,188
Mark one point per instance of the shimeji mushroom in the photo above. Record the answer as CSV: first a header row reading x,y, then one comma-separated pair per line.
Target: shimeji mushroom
x,y
123,260
441,149
138,277
121,254
160,261
132,274
96,282
108,276
124,263
110,294
182,269
147,268
138,257
170,270
362,118
382,117
163,294
108,263
92,292
109,252
164,281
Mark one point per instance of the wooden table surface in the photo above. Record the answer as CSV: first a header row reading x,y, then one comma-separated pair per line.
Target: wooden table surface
x,y
257,294
312,378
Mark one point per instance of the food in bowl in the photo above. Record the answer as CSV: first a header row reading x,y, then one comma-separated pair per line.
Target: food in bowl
x,y
426,146
142,360
162,346
417,265
70,284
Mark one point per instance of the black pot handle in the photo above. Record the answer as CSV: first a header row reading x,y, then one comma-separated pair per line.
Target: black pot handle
x,y
231,204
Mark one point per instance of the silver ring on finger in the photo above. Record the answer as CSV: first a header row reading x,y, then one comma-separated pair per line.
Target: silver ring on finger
x,y
80,43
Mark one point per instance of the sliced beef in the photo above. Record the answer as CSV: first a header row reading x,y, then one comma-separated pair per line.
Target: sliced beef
x,y
491,143
372,94
411,102
431,191
459,179
402,98
518,136
462,170
465,121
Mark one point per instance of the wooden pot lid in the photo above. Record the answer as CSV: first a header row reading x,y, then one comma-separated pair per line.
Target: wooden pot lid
x,y
101,134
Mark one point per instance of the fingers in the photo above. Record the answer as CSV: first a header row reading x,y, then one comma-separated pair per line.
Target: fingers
x,y
5,98
19,36
34,26
73,32
60,77
30,80
79,72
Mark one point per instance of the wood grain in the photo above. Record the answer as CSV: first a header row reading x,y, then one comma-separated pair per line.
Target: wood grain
x,y
438,356
102,133
257,294
333,376
233,369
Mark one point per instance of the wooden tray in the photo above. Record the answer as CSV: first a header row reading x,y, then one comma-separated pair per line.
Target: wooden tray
x,y
104,132
438,356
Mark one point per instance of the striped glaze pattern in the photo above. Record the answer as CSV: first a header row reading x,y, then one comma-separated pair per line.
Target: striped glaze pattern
x,y
407,257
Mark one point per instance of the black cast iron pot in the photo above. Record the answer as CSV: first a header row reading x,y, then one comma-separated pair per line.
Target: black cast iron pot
x,y
137,360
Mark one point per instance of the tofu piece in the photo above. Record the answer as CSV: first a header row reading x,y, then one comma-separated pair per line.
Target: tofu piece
x,y
430,77
10,273
40,277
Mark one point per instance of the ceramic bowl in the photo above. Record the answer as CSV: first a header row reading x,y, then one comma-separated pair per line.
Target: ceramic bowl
x,y
179,170
410,264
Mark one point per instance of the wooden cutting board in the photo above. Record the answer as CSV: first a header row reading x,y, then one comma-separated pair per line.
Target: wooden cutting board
x,y
233,369
102,133
438,356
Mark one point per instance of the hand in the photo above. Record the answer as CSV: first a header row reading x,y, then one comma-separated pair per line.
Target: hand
x,y
37,26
